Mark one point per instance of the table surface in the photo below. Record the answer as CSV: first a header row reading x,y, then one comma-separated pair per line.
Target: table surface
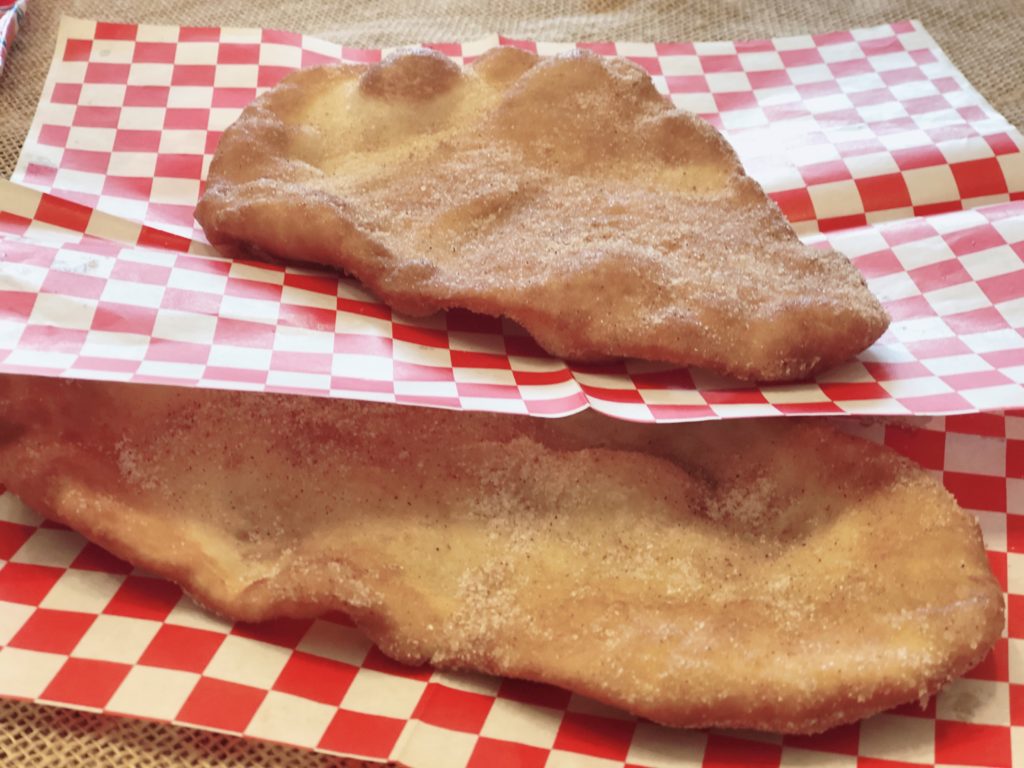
x,y
984,38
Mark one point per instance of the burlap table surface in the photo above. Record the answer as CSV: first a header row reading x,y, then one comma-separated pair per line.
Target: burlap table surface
x,y
984,38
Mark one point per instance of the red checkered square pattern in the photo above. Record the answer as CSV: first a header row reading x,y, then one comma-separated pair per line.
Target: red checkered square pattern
x,y
875,140
863,127
84,299
843,129
81,630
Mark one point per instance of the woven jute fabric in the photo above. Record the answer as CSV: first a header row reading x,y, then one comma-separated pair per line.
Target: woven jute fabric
x,y
984,38
50,736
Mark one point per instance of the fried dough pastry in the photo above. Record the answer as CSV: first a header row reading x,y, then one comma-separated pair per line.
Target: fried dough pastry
x,y
769,574
566,194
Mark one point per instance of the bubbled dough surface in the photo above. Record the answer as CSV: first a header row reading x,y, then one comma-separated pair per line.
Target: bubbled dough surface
x,y
566,194
769,574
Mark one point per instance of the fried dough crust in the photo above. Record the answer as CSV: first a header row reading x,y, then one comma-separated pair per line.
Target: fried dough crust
x,y
767,574
566,194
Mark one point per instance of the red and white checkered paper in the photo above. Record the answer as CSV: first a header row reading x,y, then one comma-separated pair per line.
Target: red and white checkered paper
x,y
79,628
879,146
868,139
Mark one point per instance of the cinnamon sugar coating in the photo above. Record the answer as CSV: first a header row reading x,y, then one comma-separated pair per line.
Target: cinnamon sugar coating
x,y
566,194
771,574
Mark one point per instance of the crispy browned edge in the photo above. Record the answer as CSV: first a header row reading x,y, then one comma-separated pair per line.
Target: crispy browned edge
x,y
850,708
255,147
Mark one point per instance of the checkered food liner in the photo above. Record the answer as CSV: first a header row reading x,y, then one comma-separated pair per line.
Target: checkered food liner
x,y
869,140
882,149
79,628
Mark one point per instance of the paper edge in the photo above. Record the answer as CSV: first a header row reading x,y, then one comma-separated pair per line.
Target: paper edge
x,y
964,81
66,22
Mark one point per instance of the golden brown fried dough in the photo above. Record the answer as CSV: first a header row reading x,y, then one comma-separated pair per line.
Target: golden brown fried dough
x,y
768,574
565,194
